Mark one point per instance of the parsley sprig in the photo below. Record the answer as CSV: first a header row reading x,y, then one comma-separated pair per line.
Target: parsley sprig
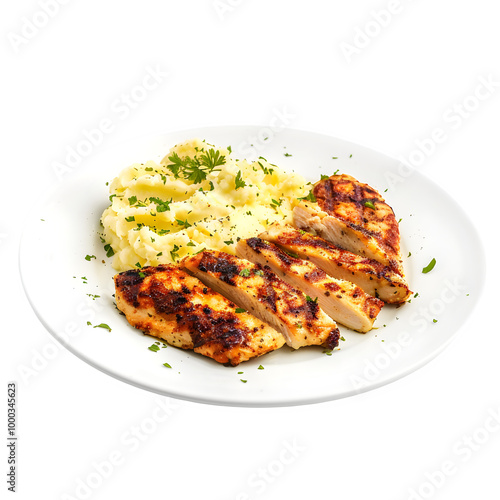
x,y
196,168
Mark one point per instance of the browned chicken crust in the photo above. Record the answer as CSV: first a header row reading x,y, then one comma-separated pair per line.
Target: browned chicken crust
x,y
362,209
372,276
168,303
258,289
343,301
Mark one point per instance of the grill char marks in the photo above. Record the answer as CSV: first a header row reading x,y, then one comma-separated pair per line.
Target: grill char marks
x,y
258,289
168,303
227,270
372,276
354,216
349,200
343,301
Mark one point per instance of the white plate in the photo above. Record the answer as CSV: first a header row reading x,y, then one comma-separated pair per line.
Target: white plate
x,y
52,261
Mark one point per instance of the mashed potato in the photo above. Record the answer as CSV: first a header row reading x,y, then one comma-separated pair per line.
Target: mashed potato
x,y
199,197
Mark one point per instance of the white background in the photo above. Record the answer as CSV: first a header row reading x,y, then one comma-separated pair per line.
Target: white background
x,y
237,64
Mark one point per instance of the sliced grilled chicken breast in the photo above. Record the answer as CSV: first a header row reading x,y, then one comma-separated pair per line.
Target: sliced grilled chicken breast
x,y
259,290
371,276
343,301
168,303
355,217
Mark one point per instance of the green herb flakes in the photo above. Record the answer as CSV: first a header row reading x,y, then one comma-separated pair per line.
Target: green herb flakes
x,y
238,181
103,325
429,267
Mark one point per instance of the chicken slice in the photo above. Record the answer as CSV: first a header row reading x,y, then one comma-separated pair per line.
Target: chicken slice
x,y
371,276
355,217
343,301
259,290
168,303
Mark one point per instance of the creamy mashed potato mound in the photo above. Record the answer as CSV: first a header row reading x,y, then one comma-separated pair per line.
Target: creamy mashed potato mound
x,y
199,197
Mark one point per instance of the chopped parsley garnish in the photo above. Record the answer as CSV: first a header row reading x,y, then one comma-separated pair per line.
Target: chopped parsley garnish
x,y
238,181
103,325
93,297
287,154
89,257
229,242
267,171
369,204
260,367
154,348
244,381
183,223
173,252
328,352
138,264
142,275
309,299
132,200
429,267
191,244
323,177
291,254
167,365
276,203
239,310
245,272
130,219
310,197
109,251
161,205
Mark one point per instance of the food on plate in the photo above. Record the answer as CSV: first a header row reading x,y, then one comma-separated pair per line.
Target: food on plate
x,y
174,227
168,303
343,301
371,276
199,196
257,289
353,216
